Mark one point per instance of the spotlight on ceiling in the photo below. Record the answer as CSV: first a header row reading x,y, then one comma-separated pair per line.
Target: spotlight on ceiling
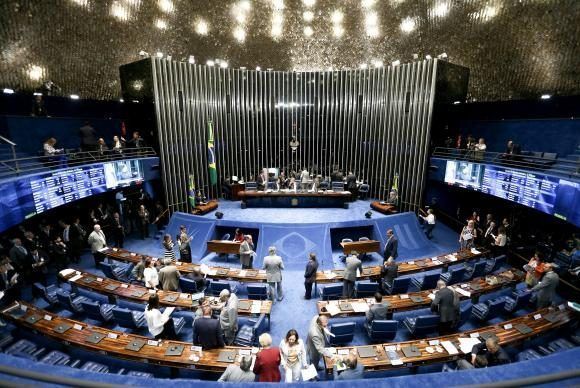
x,y
363,66
121,100
191,59
258,68
37,94
396,63
543,97
428,57
143,53
308,31
456,102
210,62
223,64
8,91
159,54
415,56
442,56
74,96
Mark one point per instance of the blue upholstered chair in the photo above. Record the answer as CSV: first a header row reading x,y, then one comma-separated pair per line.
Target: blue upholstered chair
x,y
495,264
560,344
114,272
528,354
97,311
343,333
456,275
363,191
365,289
129,319
95,367
257,291
216,286
337,186
225,237
399,286
249,333
422,325
56,358
24,349
179,324
382,330
518,300
70,301
478,270
187,285
331,291
251,186
343,257
427,282
490,309
47,293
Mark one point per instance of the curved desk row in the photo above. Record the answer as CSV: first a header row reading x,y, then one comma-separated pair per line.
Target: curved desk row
x,y
115,289
416,300
220,273
405,267
179,354
290,198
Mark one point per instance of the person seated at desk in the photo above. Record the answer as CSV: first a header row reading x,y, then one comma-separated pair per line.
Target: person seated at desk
x,y
393,198
52,153
160,325
207,331
102,147
238,236
484,355
200,281
378,311
353,370
239,373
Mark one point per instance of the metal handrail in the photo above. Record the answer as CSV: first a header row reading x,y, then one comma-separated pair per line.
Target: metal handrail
x,y
70,159
559,166
13,147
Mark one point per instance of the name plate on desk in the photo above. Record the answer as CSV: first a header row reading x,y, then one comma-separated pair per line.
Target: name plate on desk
x,y
124,285
152,343
47,317
537,316
112,336
76,326
508,326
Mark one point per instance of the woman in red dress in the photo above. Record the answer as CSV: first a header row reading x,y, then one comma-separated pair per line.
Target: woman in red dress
x,y
267,365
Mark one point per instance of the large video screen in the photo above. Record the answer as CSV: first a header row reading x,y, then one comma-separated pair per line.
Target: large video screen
x,y
549,194
17,203
123,173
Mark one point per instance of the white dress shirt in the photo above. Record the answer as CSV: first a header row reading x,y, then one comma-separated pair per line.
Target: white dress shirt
x,y
155,321
151,277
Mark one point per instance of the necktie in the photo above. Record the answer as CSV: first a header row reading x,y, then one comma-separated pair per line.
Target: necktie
x,y
23,250
65,235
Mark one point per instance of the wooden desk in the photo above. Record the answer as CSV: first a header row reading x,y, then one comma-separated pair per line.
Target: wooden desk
x,y
224,246
294,199
506,337
205,208
236,188
114,347
404,302
361,246
405,267
383,208
221,273
115,289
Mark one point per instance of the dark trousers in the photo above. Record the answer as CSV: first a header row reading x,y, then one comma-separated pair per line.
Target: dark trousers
x,y
429,230
119,241
445,328
144,231
168,332
347,288
308,289
98,256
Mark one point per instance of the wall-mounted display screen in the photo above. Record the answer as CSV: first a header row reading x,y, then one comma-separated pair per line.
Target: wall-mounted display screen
x,y
549,194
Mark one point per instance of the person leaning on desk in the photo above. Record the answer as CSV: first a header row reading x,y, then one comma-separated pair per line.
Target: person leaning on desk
x,y
348,368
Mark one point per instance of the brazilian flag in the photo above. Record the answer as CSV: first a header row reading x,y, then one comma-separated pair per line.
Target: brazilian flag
x,y
211,155
395,185
191,191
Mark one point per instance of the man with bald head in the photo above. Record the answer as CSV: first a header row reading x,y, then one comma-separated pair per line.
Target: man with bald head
x,y
353,370
444,304
317,341
484,355
97,241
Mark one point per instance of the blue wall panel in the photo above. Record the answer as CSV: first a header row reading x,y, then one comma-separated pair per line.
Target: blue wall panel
x,y
200,228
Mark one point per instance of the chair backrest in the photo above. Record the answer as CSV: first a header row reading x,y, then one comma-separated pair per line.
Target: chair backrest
x,y
464,313
343,332
522,299
324,185
337,186
226,236
366,288
63,297
363,239
478,269
251,186
331,291
257,291
187,285
457,275
383,329
107,270
92,309
272,186
495,307
217,286
363,188
497,263
124,317
400,285
346,240
426,324
430,281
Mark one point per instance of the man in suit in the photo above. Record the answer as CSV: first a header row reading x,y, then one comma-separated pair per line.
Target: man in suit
x,y
229,315
353,264
310,275
353,371
76,241
20,258
377,311
207,331
351,184
88,137
317,340
274,265
97,241
484,355
246,252
136,141
304,178
546,289
389,273
444,304
169,276
392,246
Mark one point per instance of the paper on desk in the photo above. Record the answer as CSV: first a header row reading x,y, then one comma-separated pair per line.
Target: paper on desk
x,y
466,344
332,309
358,273
450,348
256,307
463,292
360,307
343,352
66,272
404,296
203,268
475,251
309,373
431,296
75,278
262,272
242,273
168,311
104,249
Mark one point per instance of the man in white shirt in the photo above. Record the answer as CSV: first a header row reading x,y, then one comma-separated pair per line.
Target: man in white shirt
x,y
97,241
429,223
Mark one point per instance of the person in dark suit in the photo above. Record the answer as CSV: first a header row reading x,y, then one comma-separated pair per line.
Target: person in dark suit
x,y
310,275
484,355
136,141
444,304
546,289
353,264
392,246
76,240
118,231
377,311
88,137
8,281
351,185
20,258
389,273
207,331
